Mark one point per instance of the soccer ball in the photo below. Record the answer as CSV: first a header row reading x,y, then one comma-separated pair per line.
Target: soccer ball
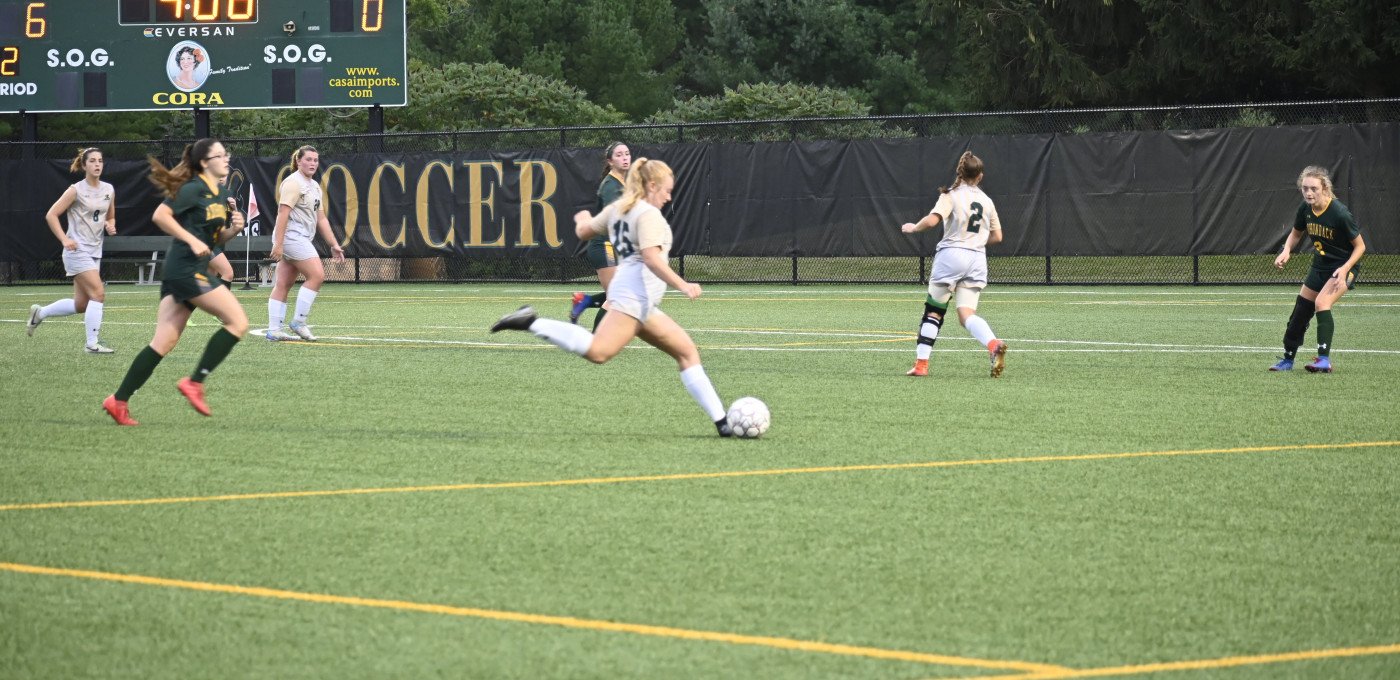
x,y
748,417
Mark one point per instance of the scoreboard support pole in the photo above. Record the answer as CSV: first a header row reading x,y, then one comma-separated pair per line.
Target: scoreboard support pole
x,y
201,123
29,135
376,128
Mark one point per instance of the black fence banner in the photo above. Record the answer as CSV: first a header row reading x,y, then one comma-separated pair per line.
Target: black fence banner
x,y
1144,194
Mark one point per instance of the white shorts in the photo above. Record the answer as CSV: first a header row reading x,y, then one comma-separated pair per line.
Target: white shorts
x,y
635,291
959,268
297,249
960,271
76,262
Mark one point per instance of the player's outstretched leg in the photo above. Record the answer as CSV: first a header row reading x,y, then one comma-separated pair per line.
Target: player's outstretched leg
x,y
518,320
37,313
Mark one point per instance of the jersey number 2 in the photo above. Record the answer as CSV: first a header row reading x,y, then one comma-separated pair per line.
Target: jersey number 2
x,y
974,225
1319,248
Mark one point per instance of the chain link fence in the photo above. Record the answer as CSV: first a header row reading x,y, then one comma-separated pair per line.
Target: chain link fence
x,y
1052,266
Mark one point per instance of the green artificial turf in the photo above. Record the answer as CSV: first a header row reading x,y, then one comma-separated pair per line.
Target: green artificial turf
x,y
497,508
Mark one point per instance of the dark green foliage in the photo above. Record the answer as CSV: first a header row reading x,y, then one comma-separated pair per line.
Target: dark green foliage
x,y
635,60
483,96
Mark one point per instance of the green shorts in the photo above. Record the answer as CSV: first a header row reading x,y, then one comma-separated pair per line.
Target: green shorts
x,y
187,289
600,253
1317,278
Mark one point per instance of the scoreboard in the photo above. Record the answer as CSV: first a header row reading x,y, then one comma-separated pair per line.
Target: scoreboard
x,y
153,55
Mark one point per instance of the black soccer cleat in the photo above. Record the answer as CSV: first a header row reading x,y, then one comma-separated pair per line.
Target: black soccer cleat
x,y
722,426
518,320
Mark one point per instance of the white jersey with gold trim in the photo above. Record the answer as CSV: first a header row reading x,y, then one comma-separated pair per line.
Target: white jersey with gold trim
x,y
304,197
635,290
969,217
87,216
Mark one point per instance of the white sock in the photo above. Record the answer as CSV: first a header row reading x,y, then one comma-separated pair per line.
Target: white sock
x,y
276,312
700,389
565,336
64,307
305,297
980,330
927,330
92,318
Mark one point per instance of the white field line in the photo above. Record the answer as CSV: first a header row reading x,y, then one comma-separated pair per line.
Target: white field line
x,y
1019,343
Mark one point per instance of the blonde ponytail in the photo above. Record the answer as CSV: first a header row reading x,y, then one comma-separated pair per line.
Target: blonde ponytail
x,y
644,172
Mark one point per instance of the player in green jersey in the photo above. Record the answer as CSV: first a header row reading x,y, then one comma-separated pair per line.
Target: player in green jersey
x,y
617,158
196,213
1338,247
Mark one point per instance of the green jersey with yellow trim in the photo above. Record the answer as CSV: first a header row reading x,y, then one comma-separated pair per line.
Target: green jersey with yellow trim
x,y
1332,231
202,209
609,190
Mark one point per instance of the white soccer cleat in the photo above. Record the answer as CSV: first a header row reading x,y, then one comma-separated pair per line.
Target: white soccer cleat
x,y
34,319
277,336
98,348
303,331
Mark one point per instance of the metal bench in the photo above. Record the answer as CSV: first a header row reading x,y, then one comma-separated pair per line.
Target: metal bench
x,y
153,249
123,246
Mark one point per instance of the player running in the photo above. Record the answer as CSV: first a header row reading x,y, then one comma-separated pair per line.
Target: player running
x,y
90,205
970,224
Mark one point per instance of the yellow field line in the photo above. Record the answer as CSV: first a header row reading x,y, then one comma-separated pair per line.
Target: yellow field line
x,y
544,619
684,476
1199,664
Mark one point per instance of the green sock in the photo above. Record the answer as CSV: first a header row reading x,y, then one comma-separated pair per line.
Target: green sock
x,y
1324,333
598,319
218,348
141,369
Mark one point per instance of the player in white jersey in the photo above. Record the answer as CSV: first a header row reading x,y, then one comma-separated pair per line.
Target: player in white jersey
x,y
90,205
300,216
970,224
642,240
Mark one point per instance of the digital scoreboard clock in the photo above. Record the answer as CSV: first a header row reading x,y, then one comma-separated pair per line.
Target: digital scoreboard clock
x,y
151,55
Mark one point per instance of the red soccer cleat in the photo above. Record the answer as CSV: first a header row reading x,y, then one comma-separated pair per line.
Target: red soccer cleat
x,y
997,350
195,393
118,410
580,303
920,368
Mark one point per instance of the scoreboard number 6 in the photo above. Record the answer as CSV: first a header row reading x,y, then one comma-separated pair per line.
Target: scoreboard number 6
x,y
35,27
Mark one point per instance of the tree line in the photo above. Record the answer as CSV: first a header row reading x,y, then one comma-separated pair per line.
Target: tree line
x,y
480,64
